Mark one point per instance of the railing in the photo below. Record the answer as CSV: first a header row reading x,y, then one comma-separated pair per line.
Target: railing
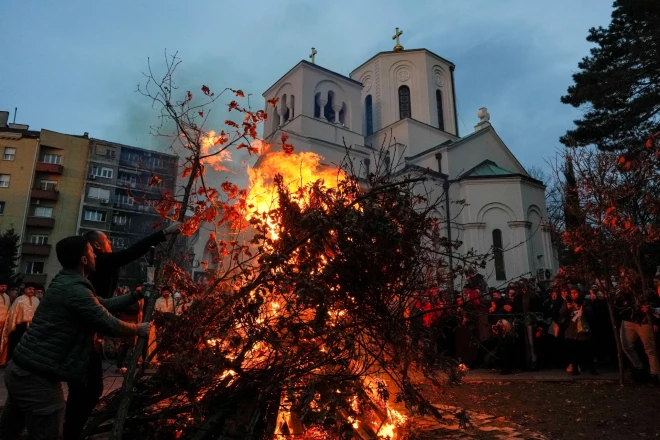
x,y
40,222
35,249
53,168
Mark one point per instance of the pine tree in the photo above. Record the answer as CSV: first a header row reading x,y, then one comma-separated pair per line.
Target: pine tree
x,y
9,242
619,82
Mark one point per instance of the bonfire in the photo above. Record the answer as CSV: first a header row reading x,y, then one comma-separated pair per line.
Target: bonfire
x,y
308,330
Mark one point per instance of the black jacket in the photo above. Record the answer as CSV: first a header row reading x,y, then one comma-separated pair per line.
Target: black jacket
x,y
104,279
58,342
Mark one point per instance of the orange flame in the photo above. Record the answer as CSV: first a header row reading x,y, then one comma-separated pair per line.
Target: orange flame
x,y
298,171
215,156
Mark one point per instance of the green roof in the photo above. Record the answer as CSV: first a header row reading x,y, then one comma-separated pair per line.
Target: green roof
x,y
487,168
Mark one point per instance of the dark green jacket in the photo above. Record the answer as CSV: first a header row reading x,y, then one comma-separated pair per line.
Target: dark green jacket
x,y
58,342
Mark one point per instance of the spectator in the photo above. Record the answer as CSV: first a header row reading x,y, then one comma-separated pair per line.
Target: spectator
x,y
577,312
39,292
18,319
5,304
13,294
635,324
527,306
56,347
165,304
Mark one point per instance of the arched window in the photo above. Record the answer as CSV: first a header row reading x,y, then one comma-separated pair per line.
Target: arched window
x,y
498,253
342,115
317,107
286,110
368,110
438,103
292,106
329,112
404,102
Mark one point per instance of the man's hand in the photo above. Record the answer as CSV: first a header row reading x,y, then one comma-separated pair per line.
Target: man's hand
x,y
508,308
144,328
172,229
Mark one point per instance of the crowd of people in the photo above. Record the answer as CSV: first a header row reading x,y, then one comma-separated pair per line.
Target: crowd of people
x,y
529,325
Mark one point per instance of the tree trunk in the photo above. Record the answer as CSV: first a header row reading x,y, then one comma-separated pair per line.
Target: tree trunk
x,y
617,338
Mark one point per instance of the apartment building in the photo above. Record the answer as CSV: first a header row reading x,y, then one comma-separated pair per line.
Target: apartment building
x,y
118,199
42,174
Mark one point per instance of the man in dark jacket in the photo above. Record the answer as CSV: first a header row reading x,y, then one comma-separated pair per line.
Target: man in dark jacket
x,y
57,345
83,396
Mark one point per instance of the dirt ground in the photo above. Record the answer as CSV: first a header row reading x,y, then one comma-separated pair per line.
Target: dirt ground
x,y
566,410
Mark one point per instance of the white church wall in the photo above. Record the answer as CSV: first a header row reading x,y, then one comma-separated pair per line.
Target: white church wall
x,y
438,77
418,137
417,69
474,151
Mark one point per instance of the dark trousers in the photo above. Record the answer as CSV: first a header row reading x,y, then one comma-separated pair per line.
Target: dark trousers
x,y
33,402
83,398
580,353
14,338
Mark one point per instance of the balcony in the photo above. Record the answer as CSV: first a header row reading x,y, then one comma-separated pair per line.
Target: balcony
x,y
45,194
52,168
41,222
37,278
35,249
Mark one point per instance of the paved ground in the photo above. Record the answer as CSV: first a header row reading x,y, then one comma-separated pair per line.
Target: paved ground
x,y
480,425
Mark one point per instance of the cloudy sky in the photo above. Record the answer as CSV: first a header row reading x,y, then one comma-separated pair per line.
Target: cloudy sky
x,y
73,66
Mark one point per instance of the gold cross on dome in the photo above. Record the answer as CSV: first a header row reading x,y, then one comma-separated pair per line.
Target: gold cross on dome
x,y
312,55
396,36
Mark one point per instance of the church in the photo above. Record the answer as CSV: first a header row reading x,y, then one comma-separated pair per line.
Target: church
x,y
405,100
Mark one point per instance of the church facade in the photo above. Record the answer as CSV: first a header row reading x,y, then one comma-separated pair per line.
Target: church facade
x,y
405,100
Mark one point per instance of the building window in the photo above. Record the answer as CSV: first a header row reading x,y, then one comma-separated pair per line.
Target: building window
x,y
94,215
10,153
498,253
368,110
4,180
52,158
48,185
2,208
98,193
404,102
110,153
121,220
38,239
117,242
438,103
43,211
34,267
104,172
127,179
317,107
124,199
327,110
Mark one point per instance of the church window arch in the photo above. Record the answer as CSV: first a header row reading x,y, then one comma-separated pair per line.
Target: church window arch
x,y
342,114
292,106
404,102
438,103
328,111
369,114
285,109
498,254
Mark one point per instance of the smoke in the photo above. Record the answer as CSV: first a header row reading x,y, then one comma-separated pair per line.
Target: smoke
x,y
140,125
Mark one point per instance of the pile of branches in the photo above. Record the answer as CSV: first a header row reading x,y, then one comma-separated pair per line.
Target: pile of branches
x,y
319,327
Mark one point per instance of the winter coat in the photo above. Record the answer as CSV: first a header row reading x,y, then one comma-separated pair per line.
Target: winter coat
x,y
578,320
108,264
58,342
